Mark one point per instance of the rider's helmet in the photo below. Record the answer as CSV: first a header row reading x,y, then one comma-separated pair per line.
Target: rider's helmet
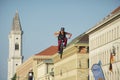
x,y
62,29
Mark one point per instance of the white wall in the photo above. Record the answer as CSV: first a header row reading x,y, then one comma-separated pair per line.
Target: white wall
x,y
101,43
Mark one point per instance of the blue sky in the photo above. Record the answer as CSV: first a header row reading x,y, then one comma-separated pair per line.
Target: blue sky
x,y
41,18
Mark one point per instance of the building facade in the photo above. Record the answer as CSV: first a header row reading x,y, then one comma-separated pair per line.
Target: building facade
x,y
23,70
45,67
74,63
39,64
104,46
44,70
15,47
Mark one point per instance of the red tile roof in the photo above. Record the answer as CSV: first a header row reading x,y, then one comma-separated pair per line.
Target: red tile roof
x,y
116,10
49,51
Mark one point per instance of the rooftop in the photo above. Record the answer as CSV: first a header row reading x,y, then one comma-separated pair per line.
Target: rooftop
x,y
49,51
115,10
114,14
82,38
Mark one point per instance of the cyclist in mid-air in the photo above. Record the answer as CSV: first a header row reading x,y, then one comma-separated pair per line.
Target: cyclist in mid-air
x,y
62,36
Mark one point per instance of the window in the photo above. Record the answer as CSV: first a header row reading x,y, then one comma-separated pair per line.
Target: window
x,y
16,46
88,63
82,49
17,38
117,31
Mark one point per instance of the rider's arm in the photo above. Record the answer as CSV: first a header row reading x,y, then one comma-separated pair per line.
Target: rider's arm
x,y
69,34
56,33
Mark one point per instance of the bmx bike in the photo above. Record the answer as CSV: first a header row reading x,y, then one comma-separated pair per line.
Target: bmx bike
x,y
61,49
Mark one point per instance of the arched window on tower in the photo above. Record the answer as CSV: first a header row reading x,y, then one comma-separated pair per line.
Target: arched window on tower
x,y
16,46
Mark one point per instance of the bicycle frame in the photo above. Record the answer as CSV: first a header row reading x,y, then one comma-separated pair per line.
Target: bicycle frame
x,y
61,49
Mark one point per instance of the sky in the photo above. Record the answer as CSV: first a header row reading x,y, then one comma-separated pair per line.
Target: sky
x,y
41,18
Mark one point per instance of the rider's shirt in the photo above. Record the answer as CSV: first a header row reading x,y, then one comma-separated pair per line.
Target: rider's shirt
x,y
61,36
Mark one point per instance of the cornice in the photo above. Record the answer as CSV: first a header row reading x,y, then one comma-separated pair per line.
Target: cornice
x,y
105,21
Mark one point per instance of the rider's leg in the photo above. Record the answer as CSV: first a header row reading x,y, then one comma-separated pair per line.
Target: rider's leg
x,y
65,42
59,42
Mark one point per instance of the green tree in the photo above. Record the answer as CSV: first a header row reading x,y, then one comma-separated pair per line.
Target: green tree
x,y
14,77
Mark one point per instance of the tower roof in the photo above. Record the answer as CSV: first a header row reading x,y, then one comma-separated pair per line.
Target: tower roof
x,y
16,26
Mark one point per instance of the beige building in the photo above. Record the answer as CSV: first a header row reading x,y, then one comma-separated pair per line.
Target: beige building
x,y
44,70
104,40
39,64
47,64
74,62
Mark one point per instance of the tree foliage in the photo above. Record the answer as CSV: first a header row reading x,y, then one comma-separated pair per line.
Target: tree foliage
x,y
14,77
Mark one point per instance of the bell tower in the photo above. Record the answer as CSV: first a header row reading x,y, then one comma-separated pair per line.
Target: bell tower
x,y
15,46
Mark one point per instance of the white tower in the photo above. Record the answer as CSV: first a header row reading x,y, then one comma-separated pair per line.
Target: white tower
x,y
15,46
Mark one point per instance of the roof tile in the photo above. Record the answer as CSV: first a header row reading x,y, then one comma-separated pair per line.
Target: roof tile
x,y
115,10
49,51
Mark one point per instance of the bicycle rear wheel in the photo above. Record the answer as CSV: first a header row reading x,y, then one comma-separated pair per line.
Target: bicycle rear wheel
x,y
61,50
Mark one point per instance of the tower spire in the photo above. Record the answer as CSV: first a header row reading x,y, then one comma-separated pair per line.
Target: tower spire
x,y
15,47
16,26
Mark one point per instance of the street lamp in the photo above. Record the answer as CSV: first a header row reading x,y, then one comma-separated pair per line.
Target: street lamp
x,y
30,75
